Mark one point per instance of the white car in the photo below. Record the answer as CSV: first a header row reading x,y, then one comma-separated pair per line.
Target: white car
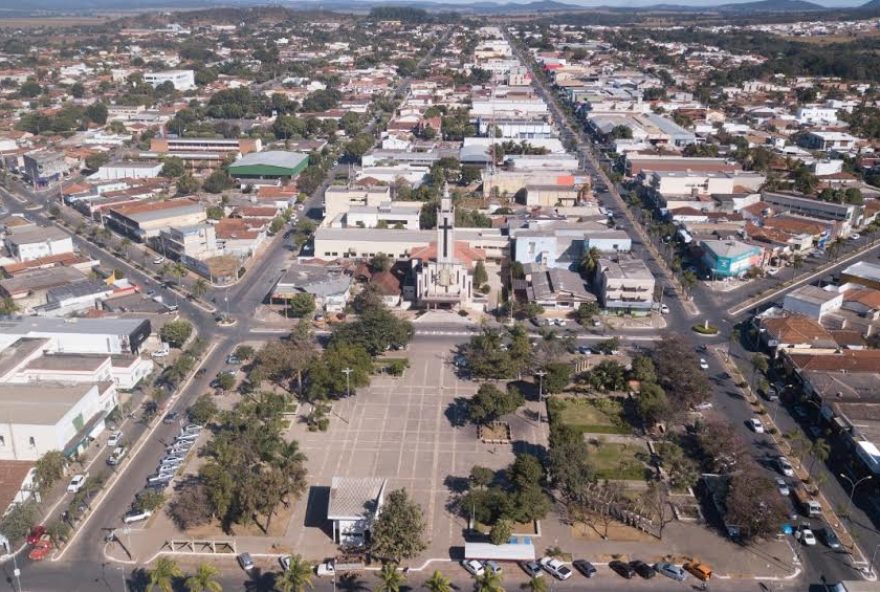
x,y
161,353
855,236
664,309
114,439
77,482
474,567
756,425
807,537
136,516
785,467
159,260
783,487
704,365
555,568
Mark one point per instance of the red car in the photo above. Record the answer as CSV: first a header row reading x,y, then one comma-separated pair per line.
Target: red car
x,y
35,534
41,549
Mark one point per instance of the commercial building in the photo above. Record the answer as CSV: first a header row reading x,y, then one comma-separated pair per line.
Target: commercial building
x,y
29,289
339,199
268,167
29,242
84,336
625,283
812,301
553,287
181,79
863,273
126,170
43,168
353,506
562,245
730,258
848,215
198,241
201,152
145,220
38,418
330,286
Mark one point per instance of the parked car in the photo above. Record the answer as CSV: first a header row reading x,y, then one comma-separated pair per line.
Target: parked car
x,y
555,568
493,567
284,561
114,439
622,569
35,533
117,455
784,466
474,567
829,537
704,365
643,569
245,561
159,260
136,516
233,360
41,549
755,425
806,536
77,482
670,570
701,571
587,569
533,568
171,417
782,485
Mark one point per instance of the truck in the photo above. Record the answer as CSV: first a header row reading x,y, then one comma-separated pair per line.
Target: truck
x,y
805,502
333,566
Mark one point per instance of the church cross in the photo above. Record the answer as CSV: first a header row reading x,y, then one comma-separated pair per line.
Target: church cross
x,y
446,228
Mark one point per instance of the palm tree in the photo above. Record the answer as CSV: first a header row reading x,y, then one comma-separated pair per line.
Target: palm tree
x,y
204,580
438,583
297,577
590,261
178,270
163,575
489,582
536,584
199,288
820,450
390,580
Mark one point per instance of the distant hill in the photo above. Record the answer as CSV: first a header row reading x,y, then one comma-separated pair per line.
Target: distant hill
x,y
772,6
871,5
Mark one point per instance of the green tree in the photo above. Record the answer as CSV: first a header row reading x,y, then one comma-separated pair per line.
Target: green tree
x,y
399,530
203,410
18,521
244,352
501,532
97,112
652,404
820,451
204,580
759,366
150,500
557,377
163,575
49,469
96,160
297,577
172,167
489,582
301,305
590,261
199,287
218,182
481,477
536,584
8,306
480,275
77,90
186,184
175,333
438,583
390,578
490,403
585,313
226,381
215,212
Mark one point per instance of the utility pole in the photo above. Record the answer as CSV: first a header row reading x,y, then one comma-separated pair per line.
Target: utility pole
x,y
540,374
852,491
347,372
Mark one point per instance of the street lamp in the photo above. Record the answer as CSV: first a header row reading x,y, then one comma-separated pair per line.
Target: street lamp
x,y
852,491
347,372
540,374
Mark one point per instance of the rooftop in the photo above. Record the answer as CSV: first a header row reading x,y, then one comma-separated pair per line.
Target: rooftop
x,y
863,270
40,404
354,498
275,158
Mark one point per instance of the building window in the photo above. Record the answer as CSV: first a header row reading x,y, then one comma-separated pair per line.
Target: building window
x,y
2,440
32,442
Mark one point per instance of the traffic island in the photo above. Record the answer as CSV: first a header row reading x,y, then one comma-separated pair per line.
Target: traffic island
x,y
705,329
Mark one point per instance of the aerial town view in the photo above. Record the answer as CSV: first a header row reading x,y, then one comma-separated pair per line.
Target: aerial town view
x,y
439,295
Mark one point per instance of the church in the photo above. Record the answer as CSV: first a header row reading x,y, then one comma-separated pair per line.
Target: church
x,y
443,270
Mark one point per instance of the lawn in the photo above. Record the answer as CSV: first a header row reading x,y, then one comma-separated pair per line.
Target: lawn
x,y
617,461
590,416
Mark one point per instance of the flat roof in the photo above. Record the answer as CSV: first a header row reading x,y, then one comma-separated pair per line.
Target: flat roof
x,y
102,326
354,235
68,362
21,235
276,158
863,270
40,404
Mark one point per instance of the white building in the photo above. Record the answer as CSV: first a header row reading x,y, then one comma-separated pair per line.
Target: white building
x,y
816,115
443,280
79,335
353,506
812,301
181,79
626,283
29,242
38,418
126,170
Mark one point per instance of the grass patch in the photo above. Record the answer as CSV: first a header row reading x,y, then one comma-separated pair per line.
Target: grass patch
x,y
704,329
617,461
589,416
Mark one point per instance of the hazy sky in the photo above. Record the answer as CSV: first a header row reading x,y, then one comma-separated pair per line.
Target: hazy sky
x,y
827,3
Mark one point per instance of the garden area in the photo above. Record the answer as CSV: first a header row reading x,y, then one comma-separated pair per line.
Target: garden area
x,y
590,415
618,460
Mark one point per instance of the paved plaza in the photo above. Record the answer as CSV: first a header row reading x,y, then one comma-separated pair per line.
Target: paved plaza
x,y
412,431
